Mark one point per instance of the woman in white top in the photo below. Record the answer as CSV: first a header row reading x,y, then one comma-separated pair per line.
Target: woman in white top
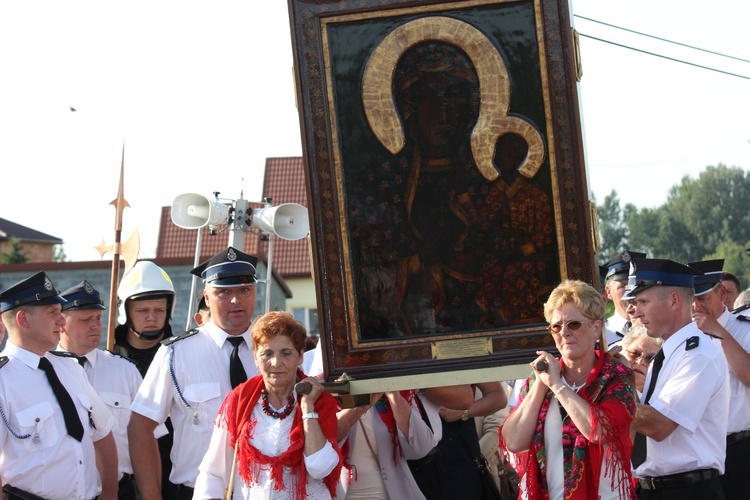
x,y
286,447
571,426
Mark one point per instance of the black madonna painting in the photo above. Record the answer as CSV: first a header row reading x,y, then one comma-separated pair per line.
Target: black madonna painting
x,y
435,172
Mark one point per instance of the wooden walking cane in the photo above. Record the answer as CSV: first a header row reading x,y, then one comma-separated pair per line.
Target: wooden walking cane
x,y
229,492
128,251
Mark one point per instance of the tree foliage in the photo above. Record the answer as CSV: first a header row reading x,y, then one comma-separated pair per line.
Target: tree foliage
x,y
59,254
15,255
704,217
735,259
613,227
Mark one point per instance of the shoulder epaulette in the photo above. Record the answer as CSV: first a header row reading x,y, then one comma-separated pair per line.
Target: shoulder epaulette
x,y
742,317
740,309
121,356
692,343
713,336
171,340
65,354
4,360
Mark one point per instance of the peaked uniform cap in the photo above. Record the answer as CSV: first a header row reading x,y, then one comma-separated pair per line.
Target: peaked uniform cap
x,y
81,297
228,268
645,273
618,267
712,272
36,290
602,273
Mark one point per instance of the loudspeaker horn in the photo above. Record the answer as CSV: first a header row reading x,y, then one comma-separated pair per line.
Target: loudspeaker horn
x,y
191,211
288,221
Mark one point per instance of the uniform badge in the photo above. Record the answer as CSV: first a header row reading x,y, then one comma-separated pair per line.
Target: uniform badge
x,y
692,343
88,288
48,284
231,256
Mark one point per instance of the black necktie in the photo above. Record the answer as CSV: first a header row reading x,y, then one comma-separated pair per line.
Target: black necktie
x,y
237,373
70,414
626,328
639,444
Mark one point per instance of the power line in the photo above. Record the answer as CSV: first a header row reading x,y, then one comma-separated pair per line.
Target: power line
x,y
663,39
665,57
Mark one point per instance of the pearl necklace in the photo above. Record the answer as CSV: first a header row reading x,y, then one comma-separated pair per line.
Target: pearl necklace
x,y
288,409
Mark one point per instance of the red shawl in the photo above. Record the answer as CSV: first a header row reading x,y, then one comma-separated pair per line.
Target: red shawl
x,y
383,407
236,415
610,390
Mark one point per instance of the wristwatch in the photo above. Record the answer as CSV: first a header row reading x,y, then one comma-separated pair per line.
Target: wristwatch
x,y
313,414
465,415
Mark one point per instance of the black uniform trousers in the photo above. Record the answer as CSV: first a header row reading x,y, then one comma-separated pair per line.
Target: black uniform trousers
x,y
736,479
704,490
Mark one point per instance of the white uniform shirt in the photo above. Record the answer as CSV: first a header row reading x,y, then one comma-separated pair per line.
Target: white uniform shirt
x,y
200,368
307,360
615,328
316,364
692,390
739,403
48,463
116,380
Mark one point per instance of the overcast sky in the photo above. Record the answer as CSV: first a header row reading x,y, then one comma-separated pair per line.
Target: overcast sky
x,y
202,92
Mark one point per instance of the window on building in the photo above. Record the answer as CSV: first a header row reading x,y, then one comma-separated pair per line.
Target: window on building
x,y
309,318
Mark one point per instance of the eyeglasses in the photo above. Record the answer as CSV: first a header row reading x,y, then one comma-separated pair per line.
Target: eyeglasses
x,y
570,325
637,356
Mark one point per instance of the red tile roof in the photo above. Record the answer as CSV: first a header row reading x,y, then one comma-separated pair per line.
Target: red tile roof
x,y
284,182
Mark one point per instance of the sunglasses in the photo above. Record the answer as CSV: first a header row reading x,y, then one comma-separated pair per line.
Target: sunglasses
x,y
637,356
570,325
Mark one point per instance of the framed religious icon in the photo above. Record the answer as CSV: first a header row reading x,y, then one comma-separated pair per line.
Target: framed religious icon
x,y
446,179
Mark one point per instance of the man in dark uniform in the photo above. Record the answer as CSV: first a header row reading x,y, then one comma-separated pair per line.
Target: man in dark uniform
x,y
146,295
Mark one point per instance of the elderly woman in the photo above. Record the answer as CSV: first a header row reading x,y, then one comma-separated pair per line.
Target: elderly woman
x,y
571,426
285,446
640,350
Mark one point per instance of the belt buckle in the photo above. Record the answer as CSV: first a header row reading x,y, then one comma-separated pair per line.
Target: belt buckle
x,y
651,485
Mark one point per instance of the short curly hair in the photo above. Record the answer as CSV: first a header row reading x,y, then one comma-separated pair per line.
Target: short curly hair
x,y
276,323
584,296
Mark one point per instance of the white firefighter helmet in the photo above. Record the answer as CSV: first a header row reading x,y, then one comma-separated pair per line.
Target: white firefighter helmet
x,y
144,280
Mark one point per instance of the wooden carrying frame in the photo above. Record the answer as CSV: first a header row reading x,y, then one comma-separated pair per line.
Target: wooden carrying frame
x,y
445,176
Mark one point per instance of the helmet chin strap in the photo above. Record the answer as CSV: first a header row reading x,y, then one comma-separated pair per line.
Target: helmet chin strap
x,y
146,334
152,335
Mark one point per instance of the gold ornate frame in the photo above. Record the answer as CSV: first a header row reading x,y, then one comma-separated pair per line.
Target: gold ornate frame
x,y
329,165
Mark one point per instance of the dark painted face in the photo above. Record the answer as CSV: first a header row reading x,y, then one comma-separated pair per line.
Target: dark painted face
x,y
441,114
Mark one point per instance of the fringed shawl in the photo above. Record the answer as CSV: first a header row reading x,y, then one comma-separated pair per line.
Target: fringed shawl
x,y
236,416
385,412
610,390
